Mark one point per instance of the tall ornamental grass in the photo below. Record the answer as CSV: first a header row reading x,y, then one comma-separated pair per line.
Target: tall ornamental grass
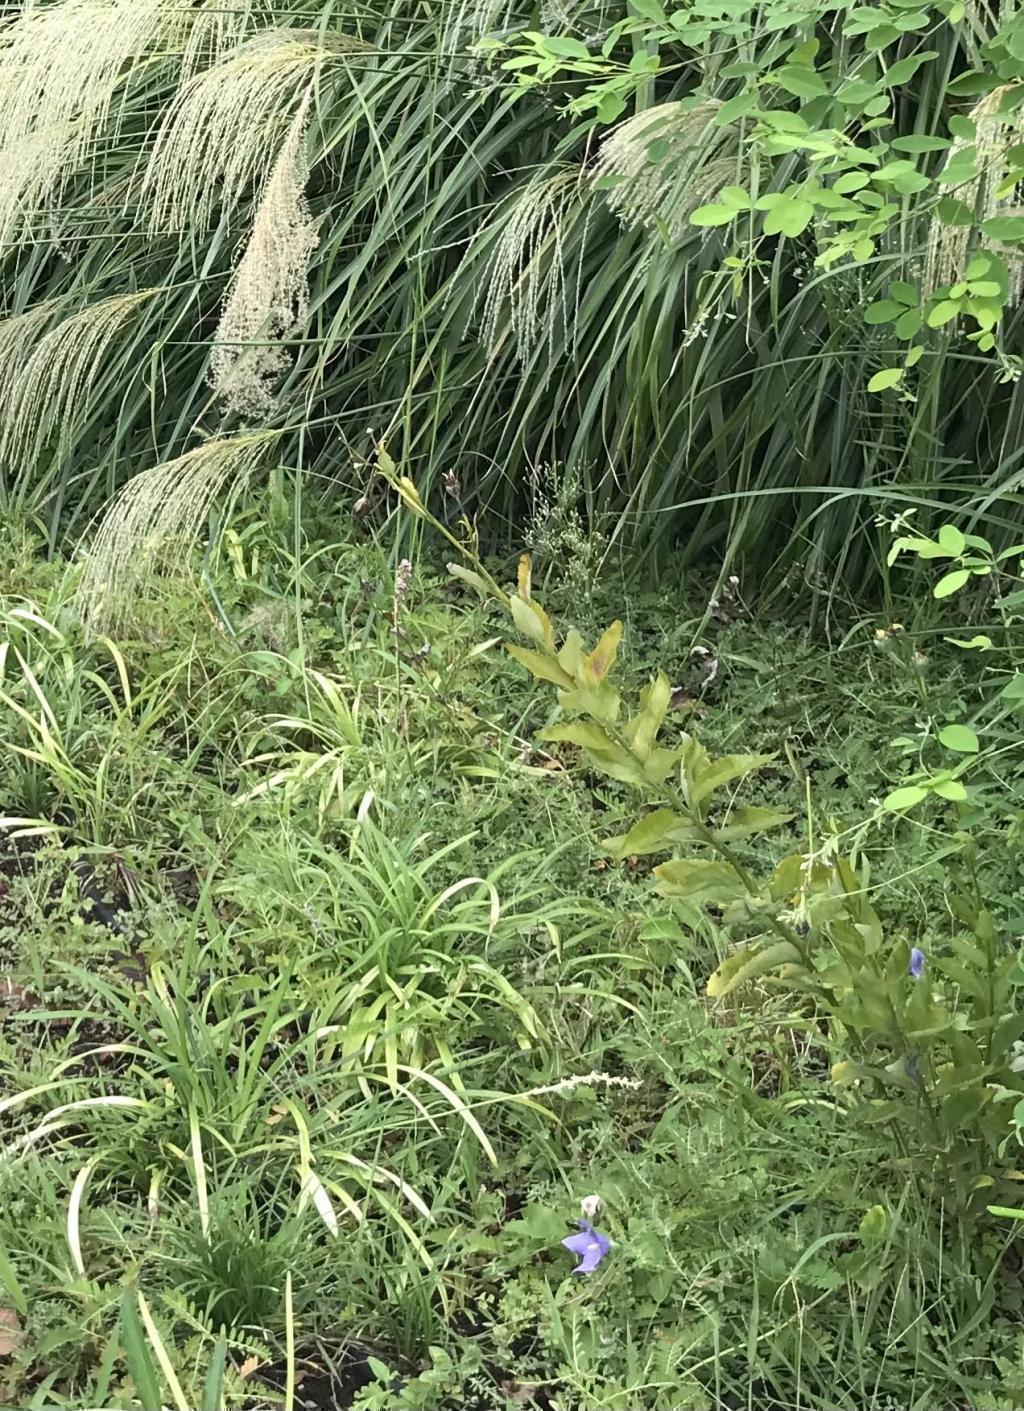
x,y
237,234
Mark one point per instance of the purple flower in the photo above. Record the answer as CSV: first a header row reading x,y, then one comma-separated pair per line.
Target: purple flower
x,y
912,1067
590,1245
916,966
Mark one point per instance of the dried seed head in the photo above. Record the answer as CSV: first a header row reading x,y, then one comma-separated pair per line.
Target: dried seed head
x,y
525,285
669,160
225,129
50,389
61,69
153,523
269,296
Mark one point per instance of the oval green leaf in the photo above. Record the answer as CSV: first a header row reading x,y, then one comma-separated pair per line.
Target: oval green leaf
x,y
960,738
904,798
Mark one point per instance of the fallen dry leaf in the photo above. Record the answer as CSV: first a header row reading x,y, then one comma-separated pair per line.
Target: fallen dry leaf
x,y
11,1332
14,996
248,1367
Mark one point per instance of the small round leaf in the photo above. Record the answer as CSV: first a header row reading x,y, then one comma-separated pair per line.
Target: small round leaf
x,y
960,738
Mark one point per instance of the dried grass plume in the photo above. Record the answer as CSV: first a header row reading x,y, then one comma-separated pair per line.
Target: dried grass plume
x,y
225,128
62,68
153,523
668,160
526,275
50,389
268,298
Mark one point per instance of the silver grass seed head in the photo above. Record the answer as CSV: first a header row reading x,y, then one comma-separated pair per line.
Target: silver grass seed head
x,y
152,526
225,128
268,298
669,160
525,286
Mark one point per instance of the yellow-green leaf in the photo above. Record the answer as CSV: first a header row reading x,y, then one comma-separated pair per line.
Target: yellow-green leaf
x,y
745,821
888,377
906,797
602,658
406,489
545,668
749,964
722,771
532,621
571,655
960,738
583,733
700,881
655,832
654,703
600,701
468,576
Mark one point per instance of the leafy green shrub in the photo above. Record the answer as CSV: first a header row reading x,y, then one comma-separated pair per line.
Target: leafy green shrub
x,y
937,1065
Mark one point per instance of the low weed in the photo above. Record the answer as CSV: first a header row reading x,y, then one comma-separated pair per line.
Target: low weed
x,y
335,990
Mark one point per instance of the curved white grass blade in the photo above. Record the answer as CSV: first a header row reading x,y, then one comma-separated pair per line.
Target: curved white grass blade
x,y
312,1186
199,1170
54,1120
74,1213
351,1205
382,1173
166,1366
457,1103
16,1099
461,886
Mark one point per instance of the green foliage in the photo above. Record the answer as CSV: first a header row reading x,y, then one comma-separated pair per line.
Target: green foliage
x,y
352,990
689,277
938,1064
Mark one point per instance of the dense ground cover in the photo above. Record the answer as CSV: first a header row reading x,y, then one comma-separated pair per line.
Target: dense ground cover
x,y
378,902
325,1007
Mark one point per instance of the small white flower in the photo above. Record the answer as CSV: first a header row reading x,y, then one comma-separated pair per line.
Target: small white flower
x,y
590,1207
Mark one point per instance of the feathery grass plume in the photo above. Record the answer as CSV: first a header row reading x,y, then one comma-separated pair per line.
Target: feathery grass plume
x,y
669,160
153,523
218,26
19,337
526,273
224,130
948,245
50,391
268,298
61,69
